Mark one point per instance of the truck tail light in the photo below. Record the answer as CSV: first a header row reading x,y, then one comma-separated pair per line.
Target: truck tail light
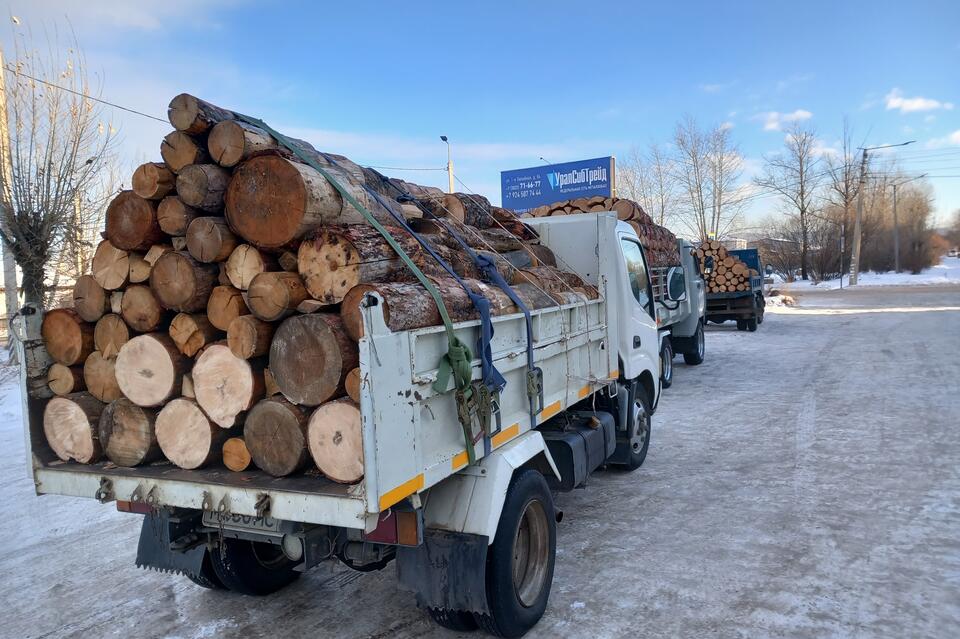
x,y
397,527
138,507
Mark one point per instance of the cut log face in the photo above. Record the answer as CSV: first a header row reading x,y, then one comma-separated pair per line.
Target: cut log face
x,y
249,337
111,266
226,304
139,269
310,357
141,310
153,180
181,283
187,438
274,295
193,115
179,150
110,334
339,258
67,337
64,380
100,377
192,332
70,425
245,263
236,457
174,216
149,369
232,141
352,384
132,222
127,433
202,186
209,239
275,432
90,299
335,438
226,385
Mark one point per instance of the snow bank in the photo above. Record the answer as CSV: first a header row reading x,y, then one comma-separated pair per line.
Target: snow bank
x,y
946,272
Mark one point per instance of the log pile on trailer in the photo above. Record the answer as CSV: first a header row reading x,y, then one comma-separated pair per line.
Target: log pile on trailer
x,y
221,317
658,242
729,274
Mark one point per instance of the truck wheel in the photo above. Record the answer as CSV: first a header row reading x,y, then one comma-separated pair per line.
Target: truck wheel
x,y
752,324
666,364
457,620
207,577
640,423
521,559
252,568
696,358
741,325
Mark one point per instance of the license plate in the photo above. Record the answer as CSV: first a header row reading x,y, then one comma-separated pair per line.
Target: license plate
x,y
241,522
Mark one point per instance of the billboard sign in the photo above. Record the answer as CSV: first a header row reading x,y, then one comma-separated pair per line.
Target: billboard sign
x,y
525,189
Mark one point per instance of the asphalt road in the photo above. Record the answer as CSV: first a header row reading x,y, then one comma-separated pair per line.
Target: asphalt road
x,y
803,482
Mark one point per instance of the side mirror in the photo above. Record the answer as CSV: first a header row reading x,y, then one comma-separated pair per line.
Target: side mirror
x,y
676,284
768,270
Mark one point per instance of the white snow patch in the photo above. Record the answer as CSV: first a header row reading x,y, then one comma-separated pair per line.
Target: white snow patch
x,y
946,272
578,604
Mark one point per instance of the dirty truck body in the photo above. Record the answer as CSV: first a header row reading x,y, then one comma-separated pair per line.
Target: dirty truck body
x,y
453,527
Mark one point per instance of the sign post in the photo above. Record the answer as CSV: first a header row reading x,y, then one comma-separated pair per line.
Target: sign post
x,y
525,189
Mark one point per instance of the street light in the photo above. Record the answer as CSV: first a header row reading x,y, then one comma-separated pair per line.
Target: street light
x,y
855,253
896,224
544,160
449,165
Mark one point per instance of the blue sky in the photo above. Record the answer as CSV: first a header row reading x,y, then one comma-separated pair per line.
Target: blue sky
x,y
510,82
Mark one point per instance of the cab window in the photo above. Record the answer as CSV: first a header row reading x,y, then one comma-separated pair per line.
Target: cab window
x,y
636,271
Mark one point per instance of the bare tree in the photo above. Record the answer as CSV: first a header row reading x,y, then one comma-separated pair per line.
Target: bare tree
x,y
794,175
59,148
648,178
705,169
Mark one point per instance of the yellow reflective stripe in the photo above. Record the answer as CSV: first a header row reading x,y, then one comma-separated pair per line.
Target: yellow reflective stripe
x,y
459,460
401,492
583,392
549,411
505,435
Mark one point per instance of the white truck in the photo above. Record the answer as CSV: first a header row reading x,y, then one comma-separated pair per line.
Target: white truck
x,y
475,541
680,295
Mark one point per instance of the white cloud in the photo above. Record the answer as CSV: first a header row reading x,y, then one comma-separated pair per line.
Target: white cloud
x,y
895,100
951,139
774,120
715,87
725,126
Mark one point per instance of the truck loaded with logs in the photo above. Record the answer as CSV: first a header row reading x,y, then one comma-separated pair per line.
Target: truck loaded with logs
x,y
734,284
280,358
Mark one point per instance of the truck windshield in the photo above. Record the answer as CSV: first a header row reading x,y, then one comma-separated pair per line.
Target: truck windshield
x,y
636,271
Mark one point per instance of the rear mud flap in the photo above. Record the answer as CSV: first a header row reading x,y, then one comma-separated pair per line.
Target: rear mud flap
x,y
448,570
169,542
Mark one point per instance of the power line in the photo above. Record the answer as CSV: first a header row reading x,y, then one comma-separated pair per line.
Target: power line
x,y
86,95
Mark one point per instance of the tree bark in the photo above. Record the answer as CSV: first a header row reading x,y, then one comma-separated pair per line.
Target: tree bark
x,y
67,337
226,304
339,258
128,434
132,222
192,332
174,216
236,456
233,141
210,240
310,356
202,186
111,266
179,150
100,376
335,438
64,380
193,115
187,438
245,263
70,425
274,295
141,310
153,181
150,369
555,282
89,299
275,432
226,385
110,334
181,283
249,337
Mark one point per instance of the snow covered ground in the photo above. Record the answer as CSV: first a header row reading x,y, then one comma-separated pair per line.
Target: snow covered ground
x,y
946,272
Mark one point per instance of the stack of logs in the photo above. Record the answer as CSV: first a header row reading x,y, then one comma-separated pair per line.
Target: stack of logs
x,y
221,316
658,242
729,274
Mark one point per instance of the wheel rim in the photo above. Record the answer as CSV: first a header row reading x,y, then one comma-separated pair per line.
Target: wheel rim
x,y
641,427
700,342
531,553
667,364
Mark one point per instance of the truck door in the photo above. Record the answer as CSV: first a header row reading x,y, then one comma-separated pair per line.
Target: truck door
x,y
639,341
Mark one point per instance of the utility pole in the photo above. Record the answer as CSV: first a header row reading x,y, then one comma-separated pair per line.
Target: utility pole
x,y
449,165
855,253
10,288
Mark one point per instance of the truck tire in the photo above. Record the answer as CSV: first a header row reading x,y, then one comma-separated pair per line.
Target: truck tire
x,y
521,559
251,567
666,364
640,423
457,620
751,324
207,577
695,358
741,325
